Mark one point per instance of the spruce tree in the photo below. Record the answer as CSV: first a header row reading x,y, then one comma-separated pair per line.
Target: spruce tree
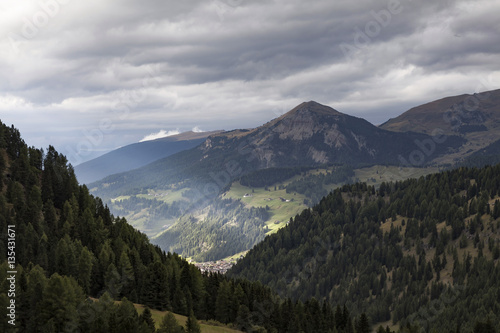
x,y
192,325
147,318
363,326
170,325
223,304
85,264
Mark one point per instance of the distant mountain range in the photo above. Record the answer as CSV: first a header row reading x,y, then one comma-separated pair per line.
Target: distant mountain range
x,y
137,155
309,135
312,134
315,134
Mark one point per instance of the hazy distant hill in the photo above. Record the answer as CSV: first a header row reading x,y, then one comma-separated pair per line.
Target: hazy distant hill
x,y
476,117
136,155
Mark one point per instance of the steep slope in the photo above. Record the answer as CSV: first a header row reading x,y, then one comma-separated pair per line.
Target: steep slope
x,y
137,155
476,117
420,251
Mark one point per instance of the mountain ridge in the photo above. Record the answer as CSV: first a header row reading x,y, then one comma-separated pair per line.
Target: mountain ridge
x,y
475,117
322,126
449,113
308,135
137,155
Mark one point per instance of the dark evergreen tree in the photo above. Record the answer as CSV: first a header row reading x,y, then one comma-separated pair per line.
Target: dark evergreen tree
x,y
192,325
170,325
363,326
147,319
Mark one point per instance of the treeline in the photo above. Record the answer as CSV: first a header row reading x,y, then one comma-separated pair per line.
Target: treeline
x,y
312,186
69,248
489,155
227,228
443,223
270,176
157,210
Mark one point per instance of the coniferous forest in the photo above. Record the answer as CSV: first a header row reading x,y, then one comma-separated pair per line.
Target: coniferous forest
x,y
422,253
74,260
417,252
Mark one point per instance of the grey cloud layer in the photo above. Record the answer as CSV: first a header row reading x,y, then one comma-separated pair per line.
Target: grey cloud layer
x,y
237,63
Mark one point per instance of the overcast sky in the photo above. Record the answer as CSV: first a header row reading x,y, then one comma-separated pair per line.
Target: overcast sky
x,y
90,76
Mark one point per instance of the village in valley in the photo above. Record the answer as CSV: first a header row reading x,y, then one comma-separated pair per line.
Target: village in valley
x,y
219,266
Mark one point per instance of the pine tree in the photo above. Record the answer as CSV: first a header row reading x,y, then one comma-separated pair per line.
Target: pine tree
x,y
155,291
85,264
192,325
112,281
363,325
147,318
223,304
127,273
60,299
339,318
170,325
243,320
127,318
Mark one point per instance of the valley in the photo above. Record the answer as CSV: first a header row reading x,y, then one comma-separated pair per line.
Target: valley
x,y
225,195
280,203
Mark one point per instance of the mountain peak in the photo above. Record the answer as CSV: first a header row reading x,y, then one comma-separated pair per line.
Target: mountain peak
x,y
313,107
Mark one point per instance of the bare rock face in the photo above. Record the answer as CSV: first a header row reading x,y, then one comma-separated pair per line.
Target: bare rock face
x,y
334,137
318,156
297,128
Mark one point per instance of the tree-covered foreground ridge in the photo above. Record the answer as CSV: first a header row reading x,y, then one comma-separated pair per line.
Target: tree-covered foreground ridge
x,y
420,251
66,261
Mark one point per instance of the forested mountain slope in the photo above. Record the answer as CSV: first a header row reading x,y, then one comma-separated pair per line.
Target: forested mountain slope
x,y
420,251
486,156
69,247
